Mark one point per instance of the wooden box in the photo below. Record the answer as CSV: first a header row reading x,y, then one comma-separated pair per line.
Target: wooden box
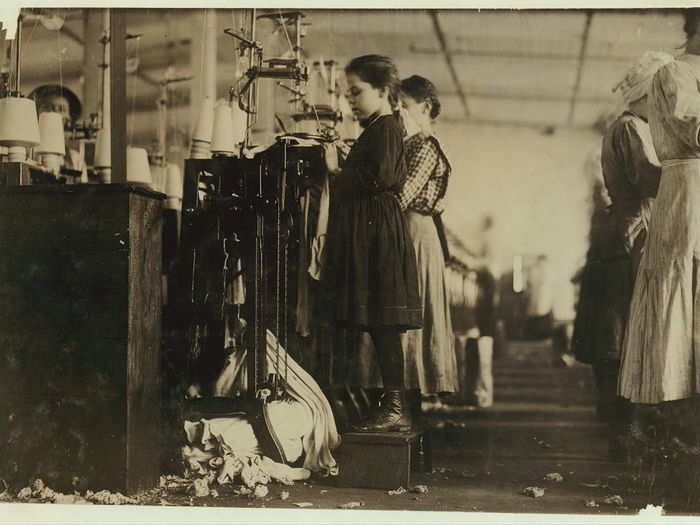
x,y
80,314
382,460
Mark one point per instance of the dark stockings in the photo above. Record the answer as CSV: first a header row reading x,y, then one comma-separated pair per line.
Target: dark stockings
x,y
387,343
613,409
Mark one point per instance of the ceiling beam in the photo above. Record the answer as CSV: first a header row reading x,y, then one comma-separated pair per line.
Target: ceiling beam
x,y
516,123
440,34
496,94
581,62
510,54
67,31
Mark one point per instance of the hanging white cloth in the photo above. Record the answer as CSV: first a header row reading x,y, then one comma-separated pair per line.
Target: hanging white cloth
x,y
319,242
323,436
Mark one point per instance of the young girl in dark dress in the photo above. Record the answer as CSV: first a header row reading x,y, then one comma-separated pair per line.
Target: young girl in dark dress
x,y
370,260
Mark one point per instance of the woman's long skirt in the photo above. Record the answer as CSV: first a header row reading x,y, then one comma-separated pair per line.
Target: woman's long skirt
x,y
661,352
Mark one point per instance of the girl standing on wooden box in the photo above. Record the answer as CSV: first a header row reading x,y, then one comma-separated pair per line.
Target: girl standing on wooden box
x,y
429,352
370,262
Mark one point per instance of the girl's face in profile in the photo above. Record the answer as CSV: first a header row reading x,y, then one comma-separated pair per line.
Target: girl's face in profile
x,y
415,113
364,99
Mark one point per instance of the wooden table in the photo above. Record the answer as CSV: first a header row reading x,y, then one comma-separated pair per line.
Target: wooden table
x,y
80,329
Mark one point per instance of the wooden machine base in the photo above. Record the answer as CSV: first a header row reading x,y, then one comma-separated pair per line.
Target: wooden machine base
x,y
80,313
382,460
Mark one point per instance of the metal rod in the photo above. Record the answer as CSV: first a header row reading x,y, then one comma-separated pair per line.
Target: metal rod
x,y
448,58
251,98
18,47
163,122
579,67
105,103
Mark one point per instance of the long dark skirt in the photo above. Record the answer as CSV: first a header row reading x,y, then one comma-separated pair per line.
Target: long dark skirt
x,y
603,309
372,265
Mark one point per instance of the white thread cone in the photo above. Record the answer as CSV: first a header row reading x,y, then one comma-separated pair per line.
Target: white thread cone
x,y
222,141
103,149
137,168
52,161
205,125
51,134
16,154
240,123
173,187
201,136
158,174
19,125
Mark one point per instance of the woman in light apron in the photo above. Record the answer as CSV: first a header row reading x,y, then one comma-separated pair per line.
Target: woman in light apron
x,y
660,358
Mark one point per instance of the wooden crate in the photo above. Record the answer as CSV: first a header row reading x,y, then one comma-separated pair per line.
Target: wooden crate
x,y
380,460
80,315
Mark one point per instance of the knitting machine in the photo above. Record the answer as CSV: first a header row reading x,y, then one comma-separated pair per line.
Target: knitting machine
x,y
243,288
241,227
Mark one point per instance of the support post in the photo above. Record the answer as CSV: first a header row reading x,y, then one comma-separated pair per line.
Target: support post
x,y
117,51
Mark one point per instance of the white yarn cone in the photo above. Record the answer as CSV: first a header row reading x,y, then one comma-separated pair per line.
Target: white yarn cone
x,y
201,135
137,168
51,134
200,150
103,149
205,125
19,125
173,187
16,154
52,161
240,123
158,174
222,140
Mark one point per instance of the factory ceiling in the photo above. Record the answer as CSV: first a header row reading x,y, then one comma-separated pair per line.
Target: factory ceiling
x,y
507,67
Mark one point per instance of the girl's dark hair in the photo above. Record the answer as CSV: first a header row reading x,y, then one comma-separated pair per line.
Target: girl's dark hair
x,y
691,18
53,90
421,89
378,71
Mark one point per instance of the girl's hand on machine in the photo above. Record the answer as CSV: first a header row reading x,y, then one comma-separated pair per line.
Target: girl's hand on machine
x,y
343,149
331,155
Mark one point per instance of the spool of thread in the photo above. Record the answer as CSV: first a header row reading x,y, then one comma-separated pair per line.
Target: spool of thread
x,y
173,188
205,124
159,174
51,134
52,148
222,141
52,161
103,155
137,169
19,126
202,133
103,149
16,154
200,149
240,123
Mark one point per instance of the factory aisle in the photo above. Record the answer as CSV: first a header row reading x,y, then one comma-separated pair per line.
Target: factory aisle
x,y
543,422
541,435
